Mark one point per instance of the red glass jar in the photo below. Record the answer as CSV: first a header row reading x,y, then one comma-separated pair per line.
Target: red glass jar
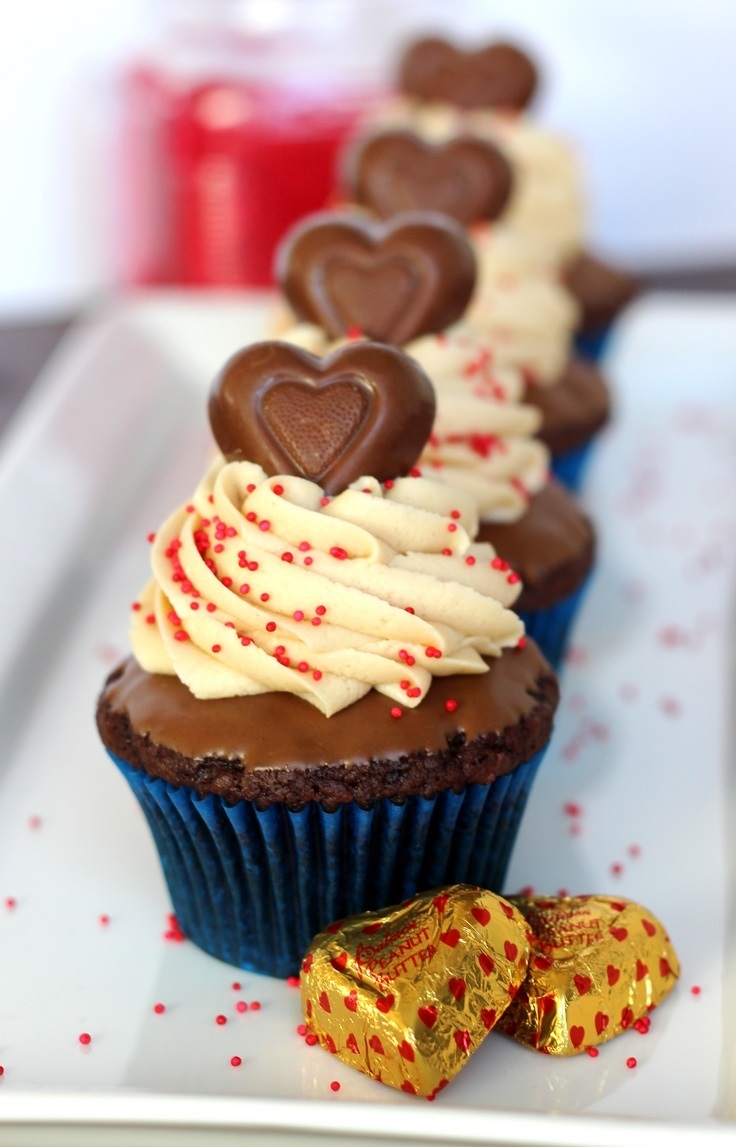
x,y
232,127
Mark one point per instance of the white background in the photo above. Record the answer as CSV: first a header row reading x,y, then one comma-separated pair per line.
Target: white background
x,y
647,88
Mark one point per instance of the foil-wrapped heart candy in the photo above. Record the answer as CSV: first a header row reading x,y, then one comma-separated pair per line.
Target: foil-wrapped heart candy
x,y
408,993
598,965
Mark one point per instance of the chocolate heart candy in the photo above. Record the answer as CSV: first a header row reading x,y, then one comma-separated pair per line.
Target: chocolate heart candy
x,y
496,76
392,281
467,178
408,993
598,966
366,409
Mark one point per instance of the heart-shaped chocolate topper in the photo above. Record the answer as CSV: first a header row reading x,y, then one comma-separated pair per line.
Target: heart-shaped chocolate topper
x,y
366,409
391,281
496,76
467,178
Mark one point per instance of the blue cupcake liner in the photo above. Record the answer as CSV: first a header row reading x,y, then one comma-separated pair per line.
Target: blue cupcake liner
x,y
593,344
570,468
253,886
551,628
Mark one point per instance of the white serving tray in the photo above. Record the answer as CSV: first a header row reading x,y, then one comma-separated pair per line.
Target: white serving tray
x,y
111,438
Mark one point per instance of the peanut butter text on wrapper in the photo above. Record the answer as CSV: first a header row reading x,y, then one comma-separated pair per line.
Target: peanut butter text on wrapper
x,y
598,965
408,993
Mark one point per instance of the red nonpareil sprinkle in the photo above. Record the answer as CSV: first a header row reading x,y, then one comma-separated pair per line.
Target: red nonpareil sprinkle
x,y
310,1039
292,981
388,484
617,868
250,516
304,546
136,605
298,615
522,643
414,692
10,902
216,648
451,705
451,527
241,1007
236,1061
287,557
181,635
255,1006
316,621
265,525
470,560
2,1070
415,472
151,538
308,561
211,607
408,609
338,552
334,1086
265,596
236,986
455,514
159,1009
174,929
642,1026
279,650
631,1062
250,487
317,674
404,684
104,920
227,582
513,578
499,564
592,1052
194,605
695,990
447,553
173,617
220,1020
245,587
85,1038
433,651
270,626
150,618
278,489
396,712
252,566
219,548
324,501
244,640
301,1029
353,332
303,667
321,610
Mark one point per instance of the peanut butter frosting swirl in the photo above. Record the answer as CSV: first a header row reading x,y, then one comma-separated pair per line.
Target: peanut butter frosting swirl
x,y
482,441
262,584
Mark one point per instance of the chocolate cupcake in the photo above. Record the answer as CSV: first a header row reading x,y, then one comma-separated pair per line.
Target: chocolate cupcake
x,y
330,703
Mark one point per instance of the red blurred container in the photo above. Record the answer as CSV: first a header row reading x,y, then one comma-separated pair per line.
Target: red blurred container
x,y
231,131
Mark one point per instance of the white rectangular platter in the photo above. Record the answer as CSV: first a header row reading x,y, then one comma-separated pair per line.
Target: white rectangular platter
x,y
635,797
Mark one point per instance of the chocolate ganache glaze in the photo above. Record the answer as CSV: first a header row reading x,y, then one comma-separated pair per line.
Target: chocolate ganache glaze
x,y
551,547
391,281
573,409
274,747
498,75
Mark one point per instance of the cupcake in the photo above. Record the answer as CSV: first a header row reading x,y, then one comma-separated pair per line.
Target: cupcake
x,y
330,702
446,91
519,307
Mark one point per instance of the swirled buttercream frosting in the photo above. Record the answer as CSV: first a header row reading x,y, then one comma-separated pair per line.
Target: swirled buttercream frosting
x,y
263,584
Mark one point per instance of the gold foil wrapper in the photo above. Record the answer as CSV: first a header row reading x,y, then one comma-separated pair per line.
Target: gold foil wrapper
x,y
407,994
598,965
